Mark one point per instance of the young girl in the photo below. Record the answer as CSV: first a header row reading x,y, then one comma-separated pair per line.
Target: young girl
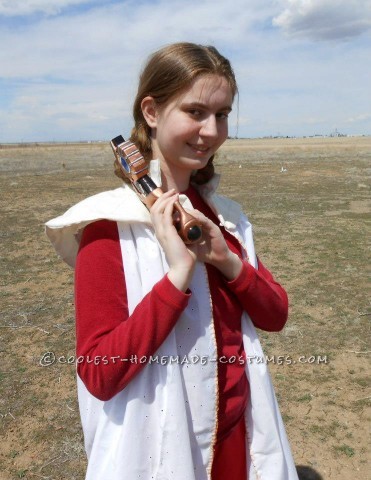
x,y
171,379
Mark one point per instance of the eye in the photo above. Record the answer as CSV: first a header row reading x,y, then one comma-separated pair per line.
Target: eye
x,y
194,112
222,115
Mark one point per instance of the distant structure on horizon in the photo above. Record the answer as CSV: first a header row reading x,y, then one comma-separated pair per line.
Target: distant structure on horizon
x,y
335,133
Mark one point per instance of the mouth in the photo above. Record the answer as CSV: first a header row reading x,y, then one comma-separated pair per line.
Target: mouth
x,y
200,149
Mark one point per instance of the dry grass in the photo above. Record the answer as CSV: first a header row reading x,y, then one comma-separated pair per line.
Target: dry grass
x,y
310,225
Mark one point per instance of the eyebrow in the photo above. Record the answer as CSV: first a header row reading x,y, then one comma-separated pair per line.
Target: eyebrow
x,y
227,108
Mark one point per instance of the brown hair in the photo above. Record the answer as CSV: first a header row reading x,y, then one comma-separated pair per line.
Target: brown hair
x,y
168,72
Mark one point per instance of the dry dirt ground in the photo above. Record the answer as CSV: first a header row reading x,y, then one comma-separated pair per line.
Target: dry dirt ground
x,y
309,203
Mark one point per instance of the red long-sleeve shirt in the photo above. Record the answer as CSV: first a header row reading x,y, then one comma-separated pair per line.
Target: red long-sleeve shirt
x,y
105,329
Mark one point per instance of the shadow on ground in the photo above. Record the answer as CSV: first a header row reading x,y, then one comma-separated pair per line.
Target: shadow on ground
x,y
308,473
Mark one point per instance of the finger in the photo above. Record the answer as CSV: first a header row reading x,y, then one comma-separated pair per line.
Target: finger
x,y
163,219
205,221
168,214
199,215
160,203
159,206
166,207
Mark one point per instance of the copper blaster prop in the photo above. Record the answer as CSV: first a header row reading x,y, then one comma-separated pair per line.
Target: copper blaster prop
x,y
135,169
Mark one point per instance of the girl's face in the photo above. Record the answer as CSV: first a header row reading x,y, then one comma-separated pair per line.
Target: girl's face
x,y
189,129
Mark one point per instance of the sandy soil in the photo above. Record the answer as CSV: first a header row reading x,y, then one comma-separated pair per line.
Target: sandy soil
x,y
309,203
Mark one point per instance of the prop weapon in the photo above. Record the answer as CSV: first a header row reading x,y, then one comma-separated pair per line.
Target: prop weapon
x,y
135,169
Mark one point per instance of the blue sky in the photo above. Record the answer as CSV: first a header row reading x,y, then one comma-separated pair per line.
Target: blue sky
x,y
69,68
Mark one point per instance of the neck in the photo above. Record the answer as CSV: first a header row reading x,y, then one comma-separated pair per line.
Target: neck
x,y
174,178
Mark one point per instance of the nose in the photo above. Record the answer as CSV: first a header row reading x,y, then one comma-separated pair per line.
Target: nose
x,y
209,127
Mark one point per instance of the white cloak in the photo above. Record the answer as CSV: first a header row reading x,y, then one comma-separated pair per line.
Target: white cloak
x,y
163,424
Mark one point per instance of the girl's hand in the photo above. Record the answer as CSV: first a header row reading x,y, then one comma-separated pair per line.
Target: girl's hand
x,y
181,260
213,248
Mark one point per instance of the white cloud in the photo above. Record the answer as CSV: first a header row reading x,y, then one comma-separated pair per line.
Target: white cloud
x,y
325,19
74,75
362,117
116,38
27,7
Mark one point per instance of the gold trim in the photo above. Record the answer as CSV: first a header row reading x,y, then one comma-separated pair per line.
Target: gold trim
x,y
213,335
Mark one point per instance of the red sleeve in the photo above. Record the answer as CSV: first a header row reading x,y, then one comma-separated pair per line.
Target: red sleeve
x,y
104,329
261,297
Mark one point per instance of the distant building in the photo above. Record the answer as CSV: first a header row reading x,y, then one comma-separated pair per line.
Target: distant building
x,y
335,133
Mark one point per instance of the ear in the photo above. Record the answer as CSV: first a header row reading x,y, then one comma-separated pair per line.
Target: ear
x,y
149,110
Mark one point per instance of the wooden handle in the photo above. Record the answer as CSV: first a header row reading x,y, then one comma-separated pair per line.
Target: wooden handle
x,y
188,227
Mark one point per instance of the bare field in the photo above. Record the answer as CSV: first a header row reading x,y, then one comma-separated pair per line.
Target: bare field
x,y
309,202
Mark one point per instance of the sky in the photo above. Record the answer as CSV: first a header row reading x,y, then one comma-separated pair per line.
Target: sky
x,y
69,68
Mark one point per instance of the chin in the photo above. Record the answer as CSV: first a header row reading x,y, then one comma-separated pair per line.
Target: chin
x,y
193,163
